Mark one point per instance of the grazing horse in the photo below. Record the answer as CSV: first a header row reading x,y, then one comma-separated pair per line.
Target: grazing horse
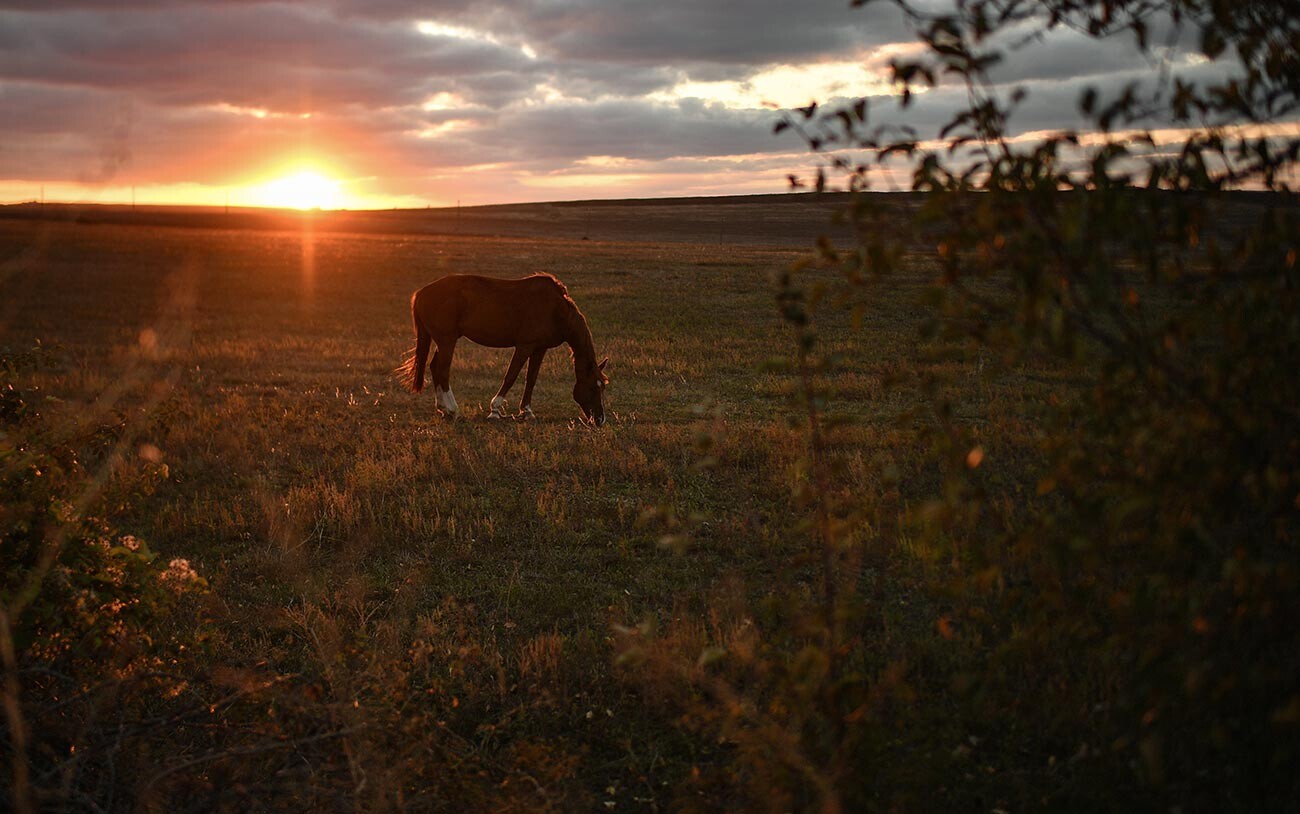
x,y
531,314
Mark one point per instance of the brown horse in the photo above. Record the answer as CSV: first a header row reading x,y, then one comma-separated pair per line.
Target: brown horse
x,y
531,315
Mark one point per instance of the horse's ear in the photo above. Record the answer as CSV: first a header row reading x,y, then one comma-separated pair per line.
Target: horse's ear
x,y
601,367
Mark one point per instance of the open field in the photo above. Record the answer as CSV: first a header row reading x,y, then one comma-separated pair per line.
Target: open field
x,y
451,575
406,612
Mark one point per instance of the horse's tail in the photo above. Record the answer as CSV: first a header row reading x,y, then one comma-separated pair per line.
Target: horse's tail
x,y
412,370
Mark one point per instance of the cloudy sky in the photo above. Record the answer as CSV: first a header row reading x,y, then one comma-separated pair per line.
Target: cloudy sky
x,y
414,102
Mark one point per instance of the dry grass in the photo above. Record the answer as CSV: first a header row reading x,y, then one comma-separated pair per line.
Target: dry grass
x,y
453,586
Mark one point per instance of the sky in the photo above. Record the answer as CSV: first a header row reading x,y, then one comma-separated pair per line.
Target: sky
x,y
382,103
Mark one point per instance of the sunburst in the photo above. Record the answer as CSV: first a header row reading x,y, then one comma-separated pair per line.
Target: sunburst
x,y
304,189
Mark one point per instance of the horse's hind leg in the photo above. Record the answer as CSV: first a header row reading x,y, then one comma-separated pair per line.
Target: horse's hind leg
x,y
534,367
441,375
498,409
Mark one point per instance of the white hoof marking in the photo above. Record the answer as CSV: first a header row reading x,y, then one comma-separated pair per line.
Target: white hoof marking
x,y
446,400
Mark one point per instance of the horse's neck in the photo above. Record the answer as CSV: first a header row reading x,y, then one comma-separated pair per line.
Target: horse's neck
x,y
578,335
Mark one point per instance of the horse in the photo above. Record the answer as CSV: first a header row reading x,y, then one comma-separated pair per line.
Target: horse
x,y
531,314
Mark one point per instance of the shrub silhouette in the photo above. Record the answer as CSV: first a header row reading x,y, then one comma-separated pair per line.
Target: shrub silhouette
x,y
1114,621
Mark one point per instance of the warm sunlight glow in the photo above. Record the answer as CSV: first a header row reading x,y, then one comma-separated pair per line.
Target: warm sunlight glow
x,y
433,28
302,190
444,101
786,86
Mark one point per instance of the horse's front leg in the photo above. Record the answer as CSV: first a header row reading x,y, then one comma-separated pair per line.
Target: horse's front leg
x,y
534,366
498,408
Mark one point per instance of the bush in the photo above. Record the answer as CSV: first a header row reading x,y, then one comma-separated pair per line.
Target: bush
x,y
1115,619
83,635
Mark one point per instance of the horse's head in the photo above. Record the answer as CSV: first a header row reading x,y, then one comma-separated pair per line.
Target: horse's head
x,y
589,390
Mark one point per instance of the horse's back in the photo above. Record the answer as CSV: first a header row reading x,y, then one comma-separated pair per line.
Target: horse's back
x,y
534,286
491,311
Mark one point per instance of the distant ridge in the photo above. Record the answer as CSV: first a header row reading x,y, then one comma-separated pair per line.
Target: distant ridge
x,y
778,219
714,200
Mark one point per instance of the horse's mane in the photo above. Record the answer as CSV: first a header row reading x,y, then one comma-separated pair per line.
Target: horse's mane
x,y
580,344
553,280
561,289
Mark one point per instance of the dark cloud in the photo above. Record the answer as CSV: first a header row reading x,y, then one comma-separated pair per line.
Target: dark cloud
x,y
1065,53
724,31
279,57
594,80
629,31
562,133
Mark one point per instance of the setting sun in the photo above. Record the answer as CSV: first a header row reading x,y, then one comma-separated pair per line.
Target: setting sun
x,y
302,190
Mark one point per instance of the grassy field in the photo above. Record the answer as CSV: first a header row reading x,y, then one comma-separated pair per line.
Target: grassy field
x,y
406,612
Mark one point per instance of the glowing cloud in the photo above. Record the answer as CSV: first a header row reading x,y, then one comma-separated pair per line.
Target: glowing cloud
x,y
432,28
786,86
